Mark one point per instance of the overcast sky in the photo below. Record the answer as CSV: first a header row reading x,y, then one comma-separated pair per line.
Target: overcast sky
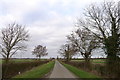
x,y
48,21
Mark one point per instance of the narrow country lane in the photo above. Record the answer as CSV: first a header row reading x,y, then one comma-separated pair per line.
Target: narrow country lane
x,y
59,71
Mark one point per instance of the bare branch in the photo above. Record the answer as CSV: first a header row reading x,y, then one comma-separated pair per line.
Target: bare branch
x,y
13,35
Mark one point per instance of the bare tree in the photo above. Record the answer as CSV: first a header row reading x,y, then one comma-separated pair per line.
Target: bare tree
x,y
67,51
40,51
104,22
12,39
84,42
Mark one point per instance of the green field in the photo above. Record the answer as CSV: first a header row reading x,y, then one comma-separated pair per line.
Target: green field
x,y
0,61
18,60
22,60
94,60
81,73
77,60
98,61
37,72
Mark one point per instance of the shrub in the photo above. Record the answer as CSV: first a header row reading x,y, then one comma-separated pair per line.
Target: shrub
x,y
12,69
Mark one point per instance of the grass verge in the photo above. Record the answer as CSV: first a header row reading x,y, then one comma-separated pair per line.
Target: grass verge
x,y
11,69
37,72
80,73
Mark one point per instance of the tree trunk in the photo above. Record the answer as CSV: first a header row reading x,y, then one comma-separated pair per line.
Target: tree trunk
x,y
67,57
87,61
113,63
112,58
4,72
39,57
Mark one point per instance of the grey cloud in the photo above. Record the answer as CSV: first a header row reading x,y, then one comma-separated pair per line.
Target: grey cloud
x,y
48,21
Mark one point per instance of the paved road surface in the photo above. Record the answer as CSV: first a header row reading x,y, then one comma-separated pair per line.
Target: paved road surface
x,y
59,71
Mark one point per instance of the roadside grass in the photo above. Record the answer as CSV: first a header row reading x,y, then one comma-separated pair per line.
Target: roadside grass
x,y
80,73
37,72
14,68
